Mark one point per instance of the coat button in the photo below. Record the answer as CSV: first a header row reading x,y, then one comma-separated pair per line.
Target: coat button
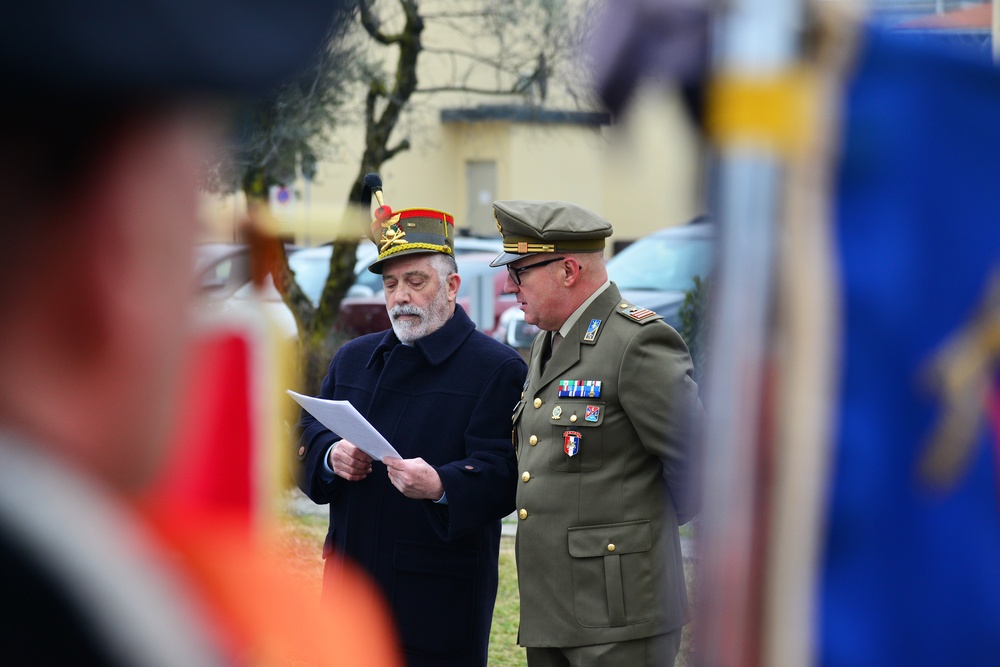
x,y
302,451
537,403
611,547
533,440
572,418
525,476
523,514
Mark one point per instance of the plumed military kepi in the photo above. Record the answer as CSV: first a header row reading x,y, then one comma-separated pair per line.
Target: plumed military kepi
x,y
409,231
536,227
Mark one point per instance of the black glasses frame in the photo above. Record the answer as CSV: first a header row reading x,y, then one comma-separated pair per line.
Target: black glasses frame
x,y
515,274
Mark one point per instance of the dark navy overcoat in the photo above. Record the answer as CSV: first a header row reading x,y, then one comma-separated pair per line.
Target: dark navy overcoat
x,y
447,399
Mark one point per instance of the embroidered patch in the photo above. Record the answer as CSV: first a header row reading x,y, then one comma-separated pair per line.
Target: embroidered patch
x,y
571,442
591,334
639,314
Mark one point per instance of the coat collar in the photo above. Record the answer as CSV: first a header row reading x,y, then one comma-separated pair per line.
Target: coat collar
x,y
436,347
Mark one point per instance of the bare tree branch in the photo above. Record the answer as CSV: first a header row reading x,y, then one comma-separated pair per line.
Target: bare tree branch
x,y
372,25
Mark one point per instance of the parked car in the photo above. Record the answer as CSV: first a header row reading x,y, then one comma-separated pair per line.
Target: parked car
x,y
363,308
653,272
514,331
221,268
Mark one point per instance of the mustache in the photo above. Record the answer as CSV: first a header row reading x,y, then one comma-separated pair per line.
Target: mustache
x,y
396,311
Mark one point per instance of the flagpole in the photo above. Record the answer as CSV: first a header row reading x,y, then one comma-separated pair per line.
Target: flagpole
x,y
757,45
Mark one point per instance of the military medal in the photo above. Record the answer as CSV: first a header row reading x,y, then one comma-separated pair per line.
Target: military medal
x,y
592,414
557,412
579,388
571,442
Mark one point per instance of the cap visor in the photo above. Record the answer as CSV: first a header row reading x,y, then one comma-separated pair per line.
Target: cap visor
x,y
505,258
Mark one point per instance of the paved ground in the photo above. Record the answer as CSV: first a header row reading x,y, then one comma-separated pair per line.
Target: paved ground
x,y
297,503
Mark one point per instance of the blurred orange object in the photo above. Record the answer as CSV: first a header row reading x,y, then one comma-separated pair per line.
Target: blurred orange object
x,y
267,616
206,509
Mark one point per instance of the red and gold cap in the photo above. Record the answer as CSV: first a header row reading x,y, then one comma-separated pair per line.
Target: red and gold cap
x,y
411,231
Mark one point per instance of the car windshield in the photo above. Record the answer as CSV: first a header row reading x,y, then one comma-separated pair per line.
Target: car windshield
x,y
310,273
661,263
312,265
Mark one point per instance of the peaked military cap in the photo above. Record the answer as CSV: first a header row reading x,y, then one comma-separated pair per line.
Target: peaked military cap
x,y
534,227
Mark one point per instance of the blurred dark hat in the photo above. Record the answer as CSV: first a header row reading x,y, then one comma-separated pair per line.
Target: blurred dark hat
x,y
109,47
534,227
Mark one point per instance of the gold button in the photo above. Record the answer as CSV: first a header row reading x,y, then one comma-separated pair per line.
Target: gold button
x,y
611,547
538,403
572,418
533,440
522,395
525,476
624,305
523,514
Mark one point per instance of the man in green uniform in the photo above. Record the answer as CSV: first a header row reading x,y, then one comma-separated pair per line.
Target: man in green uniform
x,y
604,434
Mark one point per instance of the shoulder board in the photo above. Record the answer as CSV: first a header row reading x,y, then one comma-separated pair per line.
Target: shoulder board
x,y
637,313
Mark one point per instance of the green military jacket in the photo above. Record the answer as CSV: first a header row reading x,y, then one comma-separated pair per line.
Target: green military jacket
x,y
605,444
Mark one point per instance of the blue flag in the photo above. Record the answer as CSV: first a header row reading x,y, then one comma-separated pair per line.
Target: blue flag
x,y
911,570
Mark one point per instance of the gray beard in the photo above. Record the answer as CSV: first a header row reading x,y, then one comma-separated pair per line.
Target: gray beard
x,y
431,319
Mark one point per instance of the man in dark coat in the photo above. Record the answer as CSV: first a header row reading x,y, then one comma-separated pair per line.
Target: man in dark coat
x,y
605,442
427,525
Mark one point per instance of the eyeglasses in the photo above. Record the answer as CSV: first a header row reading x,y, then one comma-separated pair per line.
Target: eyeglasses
x,y
515,274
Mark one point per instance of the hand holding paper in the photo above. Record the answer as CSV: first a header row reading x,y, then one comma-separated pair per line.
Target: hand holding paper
x,y
343,419
349,462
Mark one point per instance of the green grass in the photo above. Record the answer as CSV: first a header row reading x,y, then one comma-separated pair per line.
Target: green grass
x,y
504,651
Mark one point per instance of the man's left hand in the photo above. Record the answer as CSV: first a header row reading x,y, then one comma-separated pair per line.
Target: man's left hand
x,y
415,478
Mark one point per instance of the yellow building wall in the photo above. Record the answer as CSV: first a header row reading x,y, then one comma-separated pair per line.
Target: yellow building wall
x,y
556,162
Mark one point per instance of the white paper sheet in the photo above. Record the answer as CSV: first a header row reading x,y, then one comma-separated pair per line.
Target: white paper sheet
x,y
343,419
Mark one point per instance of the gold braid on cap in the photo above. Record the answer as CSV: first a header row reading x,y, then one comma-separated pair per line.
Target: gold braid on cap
x,y
420,246
523,247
